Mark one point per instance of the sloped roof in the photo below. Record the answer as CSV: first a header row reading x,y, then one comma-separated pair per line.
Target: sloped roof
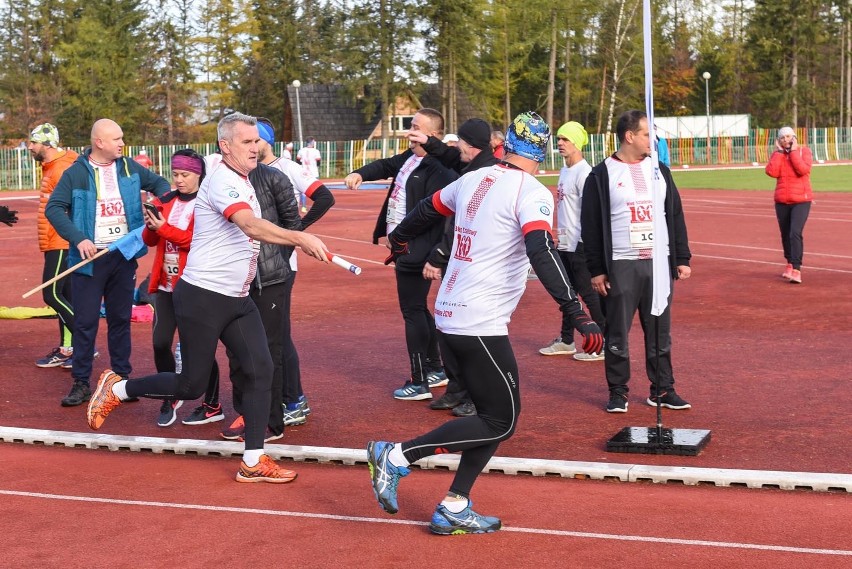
x,y
327,114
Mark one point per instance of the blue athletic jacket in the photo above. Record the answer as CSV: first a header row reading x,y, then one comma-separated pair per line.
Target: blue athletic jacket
x,y
71,208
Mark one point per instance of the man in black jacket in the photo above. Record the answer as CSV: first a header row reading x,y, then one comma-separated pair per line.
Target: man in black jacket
x,y
270,292
415,176
617,229
304,185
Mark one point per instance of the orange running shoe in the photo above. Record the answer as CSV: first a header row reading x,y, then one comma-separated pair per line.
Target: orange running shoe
x,y
103,400
265,471
788,272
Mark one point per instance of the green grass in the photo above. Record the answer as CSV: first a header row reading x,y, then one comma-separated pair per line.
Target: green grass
x,y
823,179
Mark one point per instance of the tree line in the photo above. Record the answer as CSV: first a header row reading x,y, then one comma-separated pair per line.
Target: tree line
x,y
166,70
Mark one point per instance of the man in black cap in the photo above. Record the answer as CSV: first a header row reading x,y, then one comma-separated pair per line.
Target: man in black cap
x,y
472,152
467,156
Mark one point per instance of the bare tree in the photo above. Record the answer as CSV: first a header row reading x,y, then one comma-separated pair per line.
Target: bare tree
x,y
622,27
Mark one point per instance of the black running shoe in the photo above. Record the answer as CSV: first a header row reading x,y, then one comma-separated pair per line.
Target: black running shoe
x,y
669,400
79,394
168,414
205,414
617,403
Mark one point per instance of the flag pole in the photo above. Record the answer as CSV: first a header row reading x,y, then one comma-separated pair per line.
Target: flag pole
x,y
657,440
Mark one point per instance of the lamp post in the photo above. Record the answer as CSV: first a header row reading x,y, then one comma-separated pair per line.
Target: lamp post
x,y
296,85
706,76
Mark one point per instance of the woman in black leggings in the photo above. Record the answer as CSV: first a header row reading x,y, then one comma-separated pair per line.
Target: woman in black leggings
x,y
171,233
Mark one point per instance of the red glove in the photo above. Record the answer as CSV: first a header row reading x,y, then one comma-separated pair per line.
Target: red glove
x,y
592,337
397,249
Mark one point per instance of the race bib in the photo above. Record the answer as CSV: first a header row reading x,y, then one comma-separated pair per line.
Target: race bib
x,y
641,225
110,223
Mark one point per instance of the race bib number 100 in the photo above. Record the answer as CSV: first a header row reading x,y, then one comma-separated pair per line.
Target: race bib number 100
x,y
641,225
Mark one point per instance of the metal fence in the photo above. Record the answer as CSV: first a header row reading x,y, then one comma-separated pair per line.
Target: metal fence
x,y
18,171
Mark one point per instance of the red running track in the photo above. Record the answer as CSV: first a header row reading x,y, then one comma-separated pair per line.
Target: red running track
x,y
70,507
763,362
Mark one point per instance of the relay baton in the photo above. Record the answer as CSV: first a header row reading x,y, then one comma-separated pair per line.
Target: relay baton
x,y
341,262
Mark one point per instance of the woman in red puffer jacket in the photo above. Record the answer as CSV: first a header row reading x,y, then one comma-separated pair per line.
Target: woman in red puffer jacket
x,y
791,165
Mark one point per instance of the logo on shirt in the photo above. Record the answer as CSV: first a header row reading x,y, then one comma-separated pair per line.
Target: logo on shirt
x,y
544,209
233,194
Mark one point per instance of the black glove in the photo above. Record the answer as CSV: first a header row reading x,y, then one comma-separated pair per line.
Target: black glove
x,y
397,249
8,217
592,338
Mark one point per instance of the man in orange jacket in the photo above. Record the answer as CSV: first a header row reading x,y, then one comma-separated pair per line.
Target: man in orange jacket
x,y
44,147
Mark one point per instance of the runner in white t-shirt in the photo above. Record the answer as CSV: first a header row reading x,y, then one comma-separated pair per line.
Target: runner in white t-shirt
x,y
212,302
309,157
502,223
570,140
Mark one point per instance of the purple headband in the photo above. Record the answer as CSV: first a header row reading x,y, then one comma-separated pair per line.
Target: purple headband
x,y
188,163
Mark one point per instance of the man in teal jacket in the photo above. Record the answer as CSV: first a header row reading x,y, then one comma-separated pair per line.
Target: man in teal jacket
x,y
96,202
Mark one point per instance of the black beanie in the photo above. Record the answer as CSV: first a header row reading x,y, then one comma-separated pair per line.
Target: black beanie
x,y
477,133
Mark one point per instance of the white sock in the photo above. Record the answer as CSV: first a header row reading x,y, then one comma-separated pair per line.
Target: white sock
x,y
396,457
119,389
252,457
455,503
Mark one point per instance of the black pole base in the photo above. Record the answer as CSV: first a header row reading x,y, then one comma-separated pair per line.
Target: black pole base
x,y
647,440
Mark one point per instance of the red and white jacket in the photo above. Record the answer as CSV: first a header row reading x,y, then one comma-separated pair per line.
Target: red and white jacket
x,y
182,238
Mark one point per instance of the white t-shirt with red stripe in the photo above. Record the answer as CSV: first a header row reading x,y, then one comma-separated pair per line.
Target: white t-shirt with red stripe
x,y
487,271
310,158
303,184
397,208
222,258
631,208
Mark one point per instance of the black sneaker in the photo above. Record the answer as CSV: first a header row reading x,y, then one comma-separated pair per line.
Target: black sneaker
x,y
168,412
446,401
617,403
79,394
669,400
466,409
204,414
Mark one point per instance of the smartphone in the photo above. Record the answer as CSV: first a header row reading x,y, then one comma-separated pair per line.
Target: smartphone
x,y
152,209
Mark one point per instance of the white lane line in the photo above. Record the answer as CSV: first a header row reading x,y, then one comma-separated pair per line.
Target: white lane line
x,y
741,260
697,542
811,217
362,519
337,238
8,199
771,249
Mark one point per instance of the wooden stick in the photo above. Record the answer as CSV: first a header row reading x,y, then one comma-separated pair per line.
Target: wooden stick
x,y
65,273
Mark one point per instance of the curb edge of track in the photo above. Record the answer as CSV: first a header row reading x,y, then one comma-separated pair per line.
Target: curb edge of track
x,y
689,476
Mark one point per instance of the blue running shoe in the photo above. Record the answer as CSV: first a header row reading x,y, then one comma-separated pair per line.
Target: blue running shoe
x,y
437,379
293,414
412,392
444,522
385,476
303,403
